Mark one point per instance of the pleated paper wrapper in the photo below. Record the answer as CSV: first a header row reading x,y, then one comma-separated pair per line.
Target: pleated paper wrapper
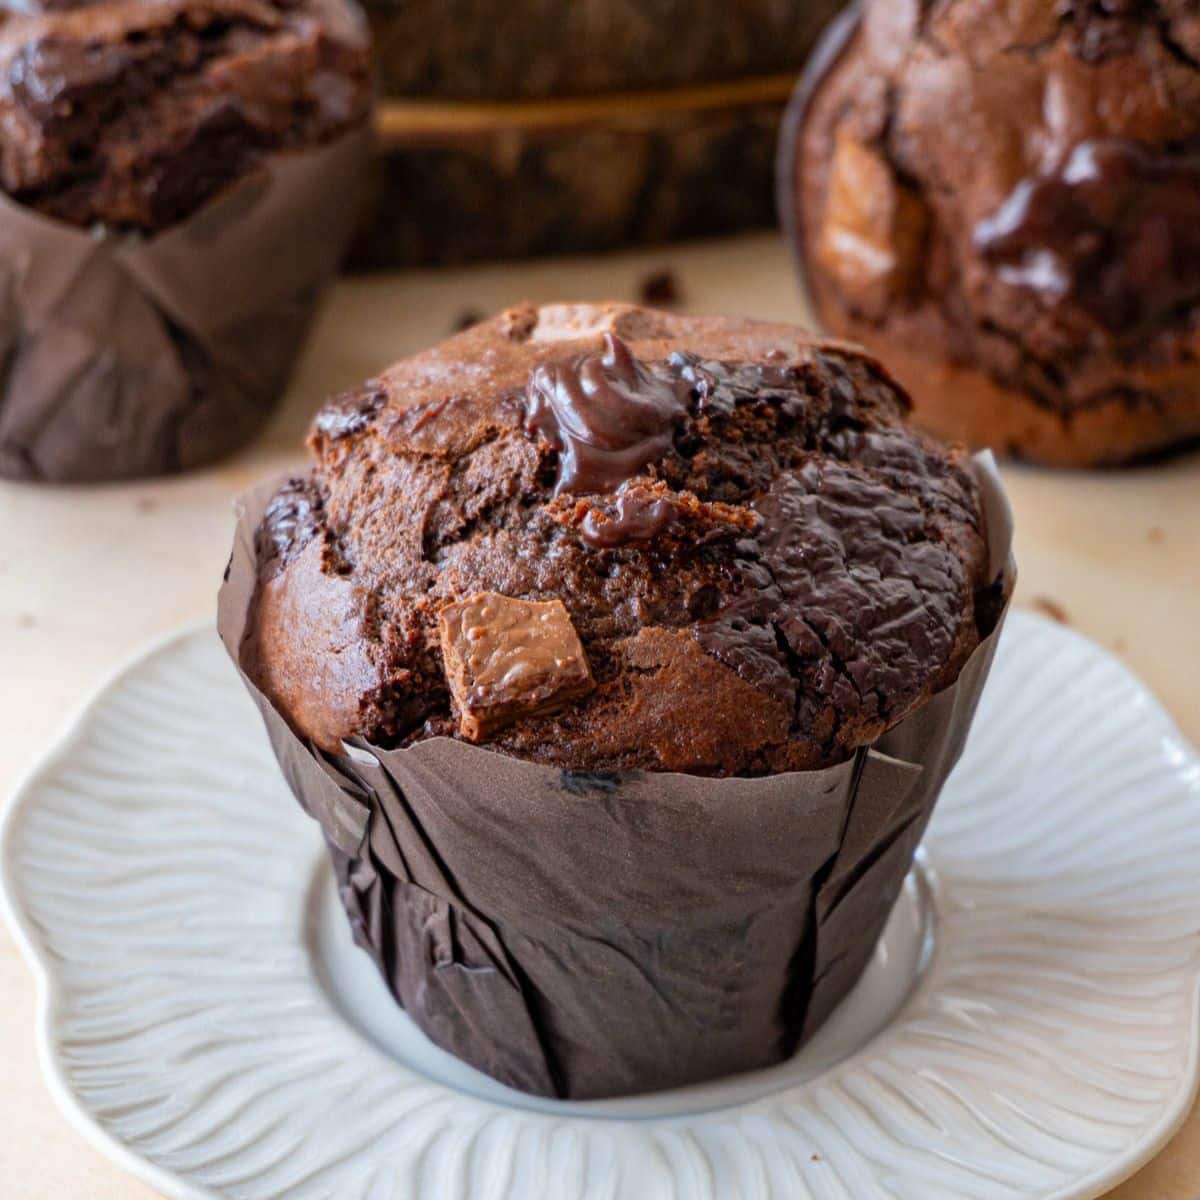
x,y
126,355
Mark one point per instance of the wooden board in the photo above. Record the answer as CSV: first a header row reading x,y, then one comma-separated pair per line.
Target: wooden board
x,y
458,182
480,49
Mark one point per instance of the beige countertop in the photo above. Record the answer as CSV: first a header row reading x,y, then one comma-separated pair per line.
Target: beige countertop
x,y
87,576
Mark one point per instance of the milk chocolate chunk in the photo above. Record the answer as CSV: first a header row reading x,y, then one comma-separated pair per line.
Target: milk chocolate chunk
x,y
874,226
506,659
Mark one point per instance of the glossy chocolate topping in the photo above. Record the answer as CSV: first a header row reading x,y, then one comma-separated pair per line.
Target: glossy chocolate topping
x,y
719,387
637,515
1115,232
508,658
290,522
607,415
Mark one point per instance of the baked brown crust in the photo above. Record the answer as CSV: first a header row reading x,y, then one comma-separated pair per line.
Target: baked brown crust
x,y
765,567
1029,264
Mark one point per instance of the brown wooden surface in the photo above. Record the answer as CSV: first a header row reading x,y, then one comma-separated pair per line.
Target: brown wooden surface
x,y
461,182
481,49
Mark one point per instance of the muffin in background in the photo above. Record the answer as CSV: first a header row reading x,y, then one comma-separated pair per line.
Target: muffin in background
x,y
621,657
178,182
1002,202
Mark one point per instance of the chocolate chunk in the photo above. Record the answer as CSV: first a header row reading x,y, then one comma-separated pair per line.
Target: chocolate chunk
x,y
347,414
508,658
290,522
608,415
642,512
638,515
660,287
874,227
1115,232
465,319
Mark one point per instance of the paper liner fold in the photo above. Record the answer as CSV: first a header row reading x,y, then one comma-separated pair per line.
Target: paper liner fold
x,y
584,934
128,356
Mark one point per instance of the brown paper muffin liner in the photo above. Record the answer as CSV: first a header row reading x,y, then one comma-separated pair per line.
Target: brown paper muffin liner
x,y
129,356
589,934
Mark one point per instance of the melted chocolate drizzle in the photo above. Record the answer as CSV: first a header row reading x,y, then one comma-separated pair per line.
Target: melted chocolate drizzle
x,y
608,416
638,515
290,522
1114,233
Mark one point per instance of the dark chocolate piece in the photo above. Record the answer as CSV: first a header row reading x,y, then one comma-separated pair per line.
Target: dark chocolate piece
x,y
508,659
291,520
637,515
660,288
348,414
1115,233
607,415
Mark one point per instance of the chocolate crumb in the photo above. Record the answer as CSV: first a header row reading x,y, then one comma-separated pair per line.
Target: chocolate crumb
x,y
466,319
26,620
146,504
517,324
660,287
1052,609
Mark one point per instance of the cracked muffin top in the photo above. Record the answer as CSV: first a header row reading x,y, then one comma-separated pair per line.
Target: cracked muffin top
x,y
608,538
133,113
1013,188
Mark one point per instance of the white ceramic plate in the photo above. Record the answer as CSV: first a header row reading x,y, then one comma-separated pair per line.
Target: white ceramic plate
x,y
1028,1027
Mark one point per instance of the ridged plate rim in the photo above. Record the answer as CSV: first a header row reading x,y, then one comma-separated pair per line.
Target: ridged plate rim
x,y
1140,717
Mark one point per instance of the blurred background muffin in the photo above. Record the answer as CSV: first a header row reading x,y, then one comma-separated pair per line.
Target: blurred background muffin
x,y
1003,201
178,183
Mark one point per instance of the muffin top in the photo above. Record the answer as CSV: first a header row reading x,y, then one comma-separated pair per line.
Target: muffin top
x,y
133,113
1015,184
608,538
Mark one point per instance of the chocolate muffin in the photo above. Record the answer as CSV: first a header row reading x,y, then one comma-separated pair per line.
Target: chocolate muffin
x,y
621,657
158,161
612,539
1001,202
